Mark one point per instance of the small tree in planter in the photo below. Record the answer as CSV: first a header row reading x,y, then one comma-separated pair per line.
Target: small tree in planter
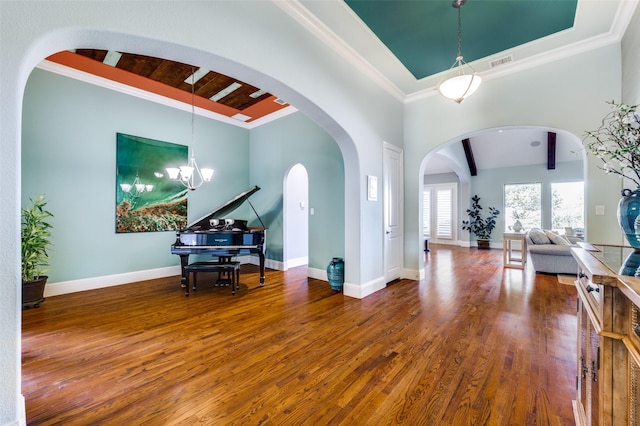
x,y
479,226
35,238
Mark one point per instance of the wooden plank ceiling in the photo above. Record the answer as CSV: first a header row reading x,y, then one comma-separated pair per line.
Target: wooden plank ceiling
x,y
213,91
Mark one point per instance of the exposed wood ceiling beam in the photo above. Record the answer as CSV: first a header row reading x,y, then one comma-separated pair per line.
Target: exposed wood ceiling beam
x,y
468,152
551,150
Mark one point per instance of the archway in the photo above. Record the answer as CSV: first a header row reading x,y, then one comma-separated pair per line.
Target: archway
x,y
516,149
296,217
74,37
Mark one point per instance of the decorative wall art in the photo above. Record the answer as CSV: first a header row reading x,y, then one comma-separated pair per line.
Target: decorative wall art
x,y
372,188
146,199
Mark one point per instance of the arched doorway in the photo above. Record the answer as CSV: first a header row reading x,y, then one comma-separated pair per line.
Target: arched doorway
x,y
296,217
503,155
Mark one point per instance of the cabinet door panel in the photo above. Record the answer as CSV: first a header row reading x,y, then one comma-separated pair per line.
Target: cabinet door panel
x,y
593,376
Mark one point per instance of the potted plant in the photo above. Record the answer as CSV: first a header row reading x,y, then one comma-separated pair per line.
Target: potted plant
x,y
35,237
617,144
479,226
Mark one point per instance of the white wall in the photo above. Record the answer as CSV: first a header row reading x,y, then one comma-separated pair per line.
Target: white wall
x,y
631,61
568,95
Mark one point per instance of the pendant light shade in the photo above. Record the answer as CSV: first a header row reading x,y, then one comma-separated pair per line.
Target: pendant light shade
x,y
461,80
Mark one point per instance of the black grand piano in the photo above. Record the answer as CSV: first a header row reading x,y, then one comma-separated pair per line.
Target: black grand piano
x,y
219,236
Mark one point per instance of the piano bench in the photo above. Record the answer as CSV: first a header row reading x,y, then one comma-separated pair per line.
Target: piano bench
x,y
231,269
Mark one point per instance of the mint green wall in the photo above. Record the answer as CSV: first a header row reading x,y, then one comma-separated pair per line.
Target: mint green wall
x,y
68,153
275,148
489,185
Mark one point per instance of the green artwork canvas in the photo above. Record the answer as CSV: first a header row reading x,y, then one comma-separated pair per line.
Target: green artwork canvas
x,y
146,199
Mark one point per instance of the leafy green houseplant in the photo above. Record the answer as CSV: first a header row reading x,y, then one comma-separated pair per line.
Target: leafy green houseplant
x,y
480,226
35,238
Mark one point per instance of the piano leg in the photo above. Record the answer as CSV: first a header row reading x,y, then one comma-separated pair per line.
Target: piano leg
x,y
184,261
261,255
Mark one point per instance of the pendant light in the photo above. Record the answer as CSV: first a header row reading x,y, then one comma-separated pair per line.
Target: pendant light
x,y
190,175
459,85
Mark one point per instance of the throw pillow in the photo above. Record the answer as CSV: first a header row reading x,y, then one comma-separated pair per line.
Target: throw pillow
x,y
538,236
557,239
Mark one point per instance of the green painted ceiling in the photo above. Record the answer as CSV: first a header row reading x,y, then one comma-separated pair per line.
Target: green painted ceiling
x,y
423,34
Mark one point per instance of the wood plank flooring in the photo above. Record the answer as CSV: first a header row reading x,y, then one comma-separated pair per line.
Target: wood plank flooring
x,y
472,344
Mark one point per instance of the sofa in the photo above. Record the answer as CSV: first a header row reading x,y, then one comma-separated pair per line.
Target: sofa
x,y
551,253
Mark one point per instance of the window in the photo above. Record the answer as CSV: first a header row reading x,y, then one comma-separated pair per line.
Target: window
x,y
567,205
523,202
426,213
439,208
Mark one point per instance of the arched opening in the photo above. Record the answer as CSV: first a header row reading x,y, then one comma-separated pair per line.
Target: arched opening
x,y
73,37
296,217
513,154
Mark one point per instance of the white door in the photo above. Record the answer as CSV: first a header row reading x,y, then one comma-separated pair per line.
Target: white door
x,y
392,170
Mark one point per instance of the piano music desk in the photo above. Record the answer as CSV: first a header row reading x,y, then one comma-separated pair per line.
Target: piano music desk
x,y
231,268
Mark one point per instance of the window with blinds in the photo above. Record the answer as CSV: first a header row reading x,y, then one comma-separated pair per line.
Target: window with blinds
x,y
444,213
426,213
439,208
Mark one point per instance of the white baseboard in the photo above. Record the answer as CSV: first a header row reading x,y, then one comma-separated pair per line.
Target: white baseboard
x,y
348,289
300,261
64,287
362,291
412,274
318,274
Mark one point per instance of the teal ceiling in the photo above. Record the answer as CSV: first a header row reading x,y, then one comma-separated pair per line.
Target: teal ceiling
x,y
423,34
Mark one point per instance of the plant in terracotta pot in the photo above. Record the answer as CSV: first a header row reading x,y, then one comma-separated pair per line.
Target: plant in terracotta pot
x,y
617,144
480,226
35,238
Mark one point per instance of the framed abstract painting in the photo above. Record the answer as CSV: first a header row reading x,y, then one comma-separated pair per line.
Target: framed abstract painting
x,y
146,199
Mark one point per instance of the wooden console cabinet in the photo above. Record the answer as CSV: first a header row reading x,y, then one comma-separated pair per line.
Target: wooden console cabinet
x,y
608,344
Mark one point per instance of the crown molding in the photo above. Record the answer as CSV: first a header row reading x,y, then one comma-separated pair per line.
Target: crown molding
x,y
307,19
547,57
314,25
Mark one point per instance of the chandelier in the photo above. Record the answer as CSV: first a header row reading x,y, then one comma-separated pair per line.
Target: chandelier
x,y
190,175
460,85
136,188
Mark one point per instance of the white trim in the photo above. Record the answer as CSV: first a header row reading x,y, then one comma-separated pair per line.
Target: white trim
x,y
308,20
530,62
349,289
365,289
318,274
300,261
159,99
413,274
64,287
314,25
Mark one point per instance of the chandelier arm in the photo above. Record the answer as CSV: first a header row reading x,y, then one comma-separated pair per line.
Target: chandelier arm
x,y
460,31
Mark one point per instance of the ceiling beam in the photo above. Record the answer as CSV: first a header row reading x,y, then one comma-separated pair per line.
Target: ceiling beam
x,y
551,151
468,152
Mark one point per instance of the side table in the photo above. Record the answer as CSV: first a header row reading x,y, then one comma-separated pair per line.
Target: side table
x,y
511,260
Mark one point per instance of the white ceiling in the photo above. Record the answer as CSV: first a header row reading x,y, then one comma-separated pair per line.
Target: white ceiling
x,y
509,147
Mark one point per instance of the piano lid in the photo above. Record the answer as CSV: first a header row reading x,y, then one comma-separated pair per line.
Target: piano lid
x,y
225,209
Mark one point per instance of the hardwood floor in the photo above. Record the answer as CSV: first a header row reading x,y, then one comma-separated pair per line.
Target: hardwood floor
x,y
472,344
